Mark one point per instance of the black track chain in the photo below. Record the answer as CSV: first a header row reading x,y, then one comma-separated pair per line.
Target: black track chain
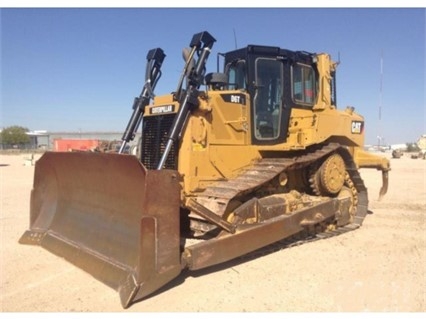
x,y
217,196
265,170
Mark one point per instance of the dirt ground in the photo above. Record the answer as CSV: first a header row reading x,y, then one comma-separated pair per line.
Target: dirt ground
x,y
380,267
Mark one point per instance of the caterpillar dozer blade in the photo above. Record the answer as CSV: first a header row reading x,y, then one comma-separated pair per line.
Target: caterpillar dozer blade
x,y
109,216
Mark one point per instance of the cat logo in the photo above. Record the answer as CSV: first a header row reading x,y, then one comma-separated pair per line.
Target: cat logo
x,y
162,109
357,127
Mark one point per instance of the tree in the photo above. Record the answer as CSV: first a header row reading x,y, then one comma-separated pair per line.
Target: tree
x,y
14,135
412,147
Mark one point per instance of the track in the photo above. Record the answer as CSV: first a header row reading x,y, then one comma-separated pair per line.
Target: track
x,y
219,195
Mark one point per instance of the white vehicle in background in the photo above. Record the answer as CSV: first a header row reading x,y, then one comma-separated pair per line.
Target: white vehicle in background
x,y
421,143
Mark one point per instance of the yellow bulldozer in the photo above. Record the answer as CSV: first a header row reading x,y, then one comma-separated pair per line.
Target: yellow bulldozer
x,y
230,162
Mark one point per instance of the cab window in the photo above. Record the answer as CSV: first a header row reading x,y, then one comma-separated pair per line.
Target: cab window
x,y
303,78
268,98
237,75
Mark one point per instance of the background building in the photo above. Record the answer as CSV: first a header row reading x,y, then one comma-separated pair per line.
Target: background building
x,y
43,140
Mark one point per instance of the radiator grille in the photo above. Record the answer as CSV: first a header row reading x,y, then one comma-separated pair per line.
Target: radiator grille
x,y
154,140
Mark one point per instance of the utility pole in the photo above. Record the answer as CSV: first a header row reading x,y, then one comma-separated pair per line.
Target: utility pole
x,y
379,134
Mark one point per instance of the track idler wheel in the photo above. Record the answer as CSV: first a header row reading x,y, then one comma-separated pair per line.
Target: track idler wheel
x,y
329,178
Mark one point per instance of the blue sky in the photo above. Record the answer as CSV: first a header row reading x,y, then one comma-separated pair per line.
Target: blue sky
x,y
71,69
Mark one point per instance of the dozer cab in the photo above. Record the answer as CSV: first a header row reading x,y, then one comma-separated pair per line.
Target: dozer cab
x,y
228,163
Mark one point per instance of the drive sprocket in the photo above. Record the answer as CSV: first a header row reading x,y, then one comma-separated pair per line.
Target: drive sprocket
x,y
329,178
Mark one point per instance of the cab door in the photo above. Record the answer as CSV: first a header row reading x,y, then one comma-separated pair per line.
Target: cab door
x,y
269,113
